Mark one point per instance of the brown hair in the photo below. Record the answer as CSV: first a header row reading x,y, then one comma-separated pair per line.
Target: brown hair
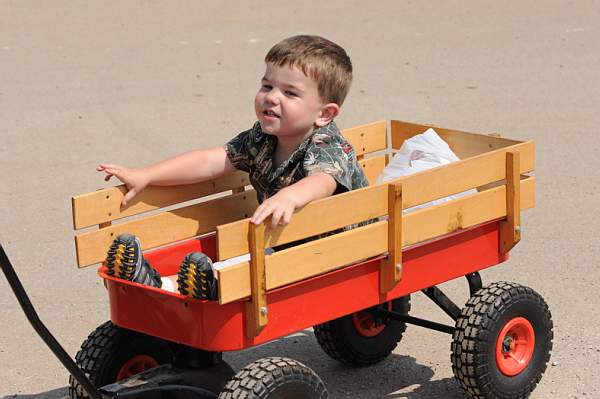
x,y
318,58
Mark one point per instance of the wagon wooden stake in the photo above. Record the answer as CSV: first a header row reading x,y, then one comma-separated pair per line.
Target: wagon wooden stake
x,y
256,309
391,268
510,229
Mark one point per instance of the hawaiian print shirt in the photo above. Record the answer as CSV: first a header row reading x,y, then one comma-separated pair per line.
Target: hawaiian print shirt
x,y
326,150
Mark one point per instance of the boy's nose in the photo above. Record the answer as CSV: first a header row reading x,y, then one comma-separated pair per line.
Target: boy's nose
x,y
272,97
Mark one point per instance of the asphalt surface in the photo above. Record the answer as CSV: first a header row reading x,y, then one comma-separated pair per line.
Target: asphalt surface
x,y
135,82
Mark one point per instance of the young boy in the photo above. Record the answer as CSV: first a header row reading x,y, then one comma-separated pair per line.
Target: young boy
x,y
294,154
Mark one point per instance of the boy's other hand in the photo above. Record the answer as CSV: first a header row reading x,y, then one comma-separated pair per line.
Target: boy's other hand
x,y
280,207
134,179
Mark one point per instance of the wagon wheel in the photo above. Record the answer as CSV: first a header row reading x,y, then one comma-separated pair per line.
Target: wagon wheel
x,y
275,378
111,353
361,339
502,342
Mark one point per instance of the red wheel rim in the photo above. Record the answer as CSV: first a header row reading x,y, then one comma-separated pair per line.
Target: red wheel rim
x,y
514,347
365,323
136,365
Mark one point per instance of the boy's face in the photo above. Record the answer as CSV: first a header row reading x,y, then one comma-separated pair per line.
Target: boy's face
x,y
288,103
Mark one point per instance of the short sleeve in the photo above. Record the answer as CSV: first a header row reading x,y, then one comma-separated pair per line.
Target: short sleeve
x,y
238,149
333,155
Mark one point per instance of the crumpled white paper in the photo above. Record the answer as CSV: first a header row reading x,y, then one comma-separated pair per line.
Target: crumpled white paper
x,y
421,152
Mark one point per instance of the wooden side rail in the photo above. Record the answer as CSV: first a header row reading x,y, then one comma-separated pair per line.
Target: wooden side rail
x,y
367,138
373,167
391,268
167,227
463,144
510,229
256,308
332,252
341,210
105,205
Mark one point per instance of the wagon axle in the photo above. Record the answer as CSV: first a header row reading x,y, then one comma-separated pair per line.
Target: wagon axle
x,y
442,301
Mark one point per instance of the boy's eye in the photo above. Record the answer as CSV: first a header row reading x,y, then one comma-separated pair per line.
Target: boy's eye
x,y
266,87
291,93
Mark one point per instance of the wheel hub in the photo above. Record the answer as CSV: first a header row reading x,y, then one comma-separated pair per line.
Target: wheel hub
x,y
136,365
514,347
367,323
508,344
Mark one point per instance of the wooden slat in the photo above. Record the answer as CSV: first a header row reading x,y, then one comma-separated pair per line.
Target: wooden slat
x,y
167,227
342,210
367,138
256,309
463,212
105,205
510,229
390,268
314,218
463,144
320,256
373,167
234,281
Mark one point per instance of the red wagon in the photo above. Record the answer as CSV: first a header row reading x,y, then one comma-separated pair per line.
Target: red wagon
x,y
353,287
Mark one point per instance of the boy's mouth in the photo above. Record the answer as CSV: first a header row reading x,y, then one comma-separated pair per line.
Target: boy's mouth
x,y
270,114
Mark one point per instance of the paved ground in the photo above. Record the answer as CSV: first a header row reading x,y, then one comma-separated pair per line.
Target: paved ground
x,y
84,82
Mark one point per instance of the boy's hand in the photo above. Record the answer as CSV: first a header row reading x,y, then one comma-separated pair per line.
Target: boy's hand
x,y
280,207
187,168
134,179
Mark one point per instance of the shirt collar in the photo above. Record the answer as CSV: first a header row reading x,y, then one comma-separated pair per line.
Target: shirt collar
x,y
328,130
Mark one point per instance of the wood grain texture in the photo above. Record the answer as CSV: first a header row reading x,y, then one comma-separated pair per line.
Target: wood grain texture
x,y
367,138
105,205
329,253
390,268
463,144
256,309
167,227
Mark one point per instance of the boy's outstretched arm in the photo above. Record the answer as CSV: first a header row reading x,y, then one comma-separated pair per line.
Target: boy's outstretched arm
x,y
187,168
281,206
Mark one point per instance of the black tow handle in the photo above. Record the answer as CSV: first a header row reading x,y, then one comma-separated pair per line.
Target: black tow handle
x,y
41,329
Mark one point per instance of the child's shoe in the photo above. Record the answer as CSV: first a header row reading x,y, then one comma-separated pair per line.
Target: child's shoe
x,y
125,260
196,277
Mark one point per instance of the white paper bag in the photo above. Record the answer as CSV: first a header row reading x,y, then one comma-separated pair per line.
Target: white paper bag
x,y
421,152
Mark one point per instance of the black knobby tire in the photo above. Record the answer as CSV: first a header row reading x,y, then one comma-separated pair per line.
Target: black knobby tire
x,y
493,309
275,378
108,348
344,342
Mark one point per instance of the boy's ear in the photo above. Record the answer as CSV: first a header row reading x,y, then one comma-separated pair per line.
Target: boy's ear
x,y
327,114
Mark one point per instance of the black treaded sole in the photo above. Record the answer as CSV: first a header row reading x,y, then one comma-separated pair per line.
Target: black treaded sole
x,y
195,277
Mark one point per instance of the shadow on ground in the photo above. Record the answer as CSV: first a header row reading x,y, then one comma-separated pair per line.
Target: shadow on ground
x,y
58,393
396,377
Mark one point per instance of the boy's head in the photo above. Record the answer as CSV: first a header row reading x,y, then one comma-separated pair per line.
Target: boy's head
x,y
318,58
305,83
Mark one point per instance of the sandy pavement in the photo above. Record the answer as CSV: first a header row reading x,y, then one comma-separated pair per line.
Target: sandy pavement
x,y
85,82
